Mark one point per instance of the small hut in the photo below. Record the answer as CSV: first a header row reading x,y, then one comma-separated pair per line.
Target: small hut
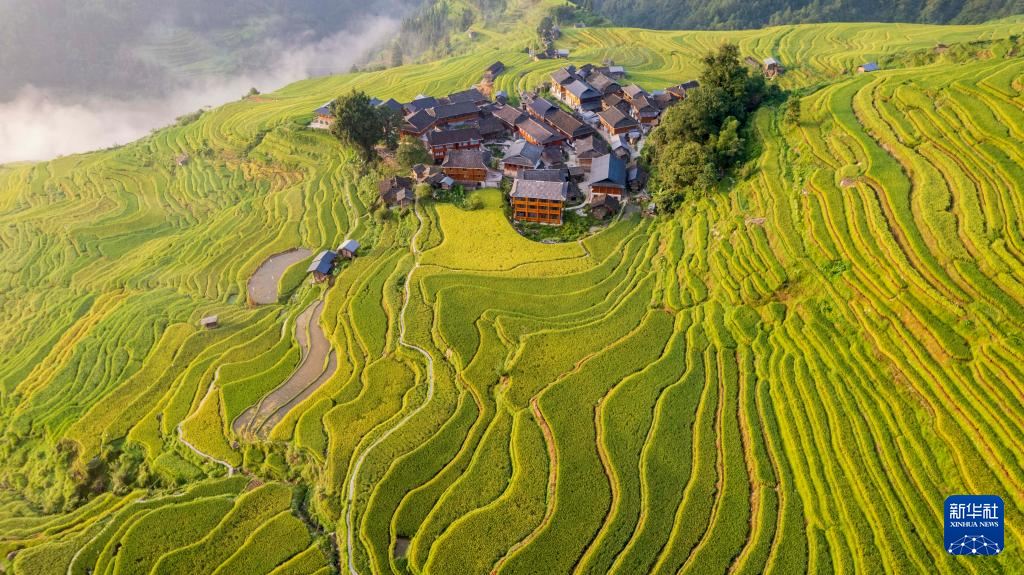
x,y
322,265
209,322
348,249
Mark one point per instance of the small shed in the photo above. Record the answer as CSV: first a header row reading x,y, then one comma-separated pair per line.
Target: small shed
x,y
181,159
348,249
868,67
603,205
771,67
209,322
322,265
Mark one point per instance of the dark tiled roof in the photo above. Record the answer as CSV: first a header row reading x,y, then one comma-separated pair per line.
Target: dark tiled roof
x,y
496,68
568,124
421,104
490,126
614,101
604,200
394,183
540,190
603,83
448,111
591,147
563,77
632,91
608,170
644,106
392,104
582,90
471,95
538,131
449,137
464,159
324,110
522,153
509,115
420,121
544,175
616,119
541,107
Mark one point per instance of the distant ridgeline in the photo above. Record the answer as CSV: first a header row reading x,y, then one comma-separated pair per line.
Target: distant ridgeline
x,y
723,14
107,47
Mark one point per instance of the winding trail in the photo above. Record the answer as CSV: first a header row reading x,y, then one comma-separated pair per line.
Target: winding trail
x,y
350,492
185,442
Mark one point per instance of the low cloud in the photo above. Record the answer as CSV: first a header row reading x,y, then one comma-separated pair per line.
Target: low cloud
x,y
37,125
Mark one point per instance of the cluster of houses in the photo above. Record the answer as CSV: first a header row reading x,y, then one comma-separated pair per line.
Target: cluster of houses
x,y
575,149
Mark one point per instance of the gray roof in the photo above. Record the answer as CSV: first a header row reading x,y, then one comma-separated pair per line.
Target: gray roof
x,y
545,175
323,262
616,118
464,159
350,245
471,95
563,76
454,110
541,107
633,91
568,124
421,104
391,104
420,120
603,83
769,61
608,170
582,90
509,115
538,131
591,147
540,190
449,137
522,153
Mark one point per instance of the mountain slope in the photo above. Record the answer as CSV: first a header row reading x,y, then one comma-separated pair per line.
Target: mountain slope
x,y
787,377
738,14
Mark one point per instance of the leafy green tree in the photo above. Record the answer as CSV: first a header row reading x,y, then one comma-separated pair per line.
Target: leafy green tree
x,y
357,122
411,152
793,110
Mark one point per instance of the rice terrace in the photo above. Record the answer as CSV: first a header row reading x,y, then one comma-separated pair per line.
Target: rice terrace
x,y
241,345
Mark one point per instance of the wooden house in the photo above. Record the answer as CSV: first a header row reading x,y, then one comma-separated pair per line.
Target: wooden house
x,y
608,175
589,148
467,167
538,201
508,116
645,110
348,249
396,191
603,205
420,103
472,95
581,95
455,113
322,265
442,141
209,322
540,108
322,117
520,155
568,125
604,84
539,133
616,122
493,71
772,68
418,123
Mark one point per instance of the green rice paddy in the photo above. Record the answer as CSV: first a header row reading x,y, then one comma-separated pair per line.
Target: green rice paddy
x,y
789,377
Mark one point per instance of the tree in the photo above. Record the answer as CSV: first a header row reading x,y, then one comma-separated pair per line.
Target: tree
x,y
357,122
411,152
793,110
729,145
391,125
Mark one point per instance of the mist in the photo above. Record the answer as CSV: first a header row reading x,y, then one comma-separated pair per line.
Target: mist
x,y
39,125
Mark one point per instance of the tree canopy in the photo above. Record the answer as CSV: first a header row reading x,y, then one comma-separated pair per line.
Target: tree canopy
x,y
699,139
360,124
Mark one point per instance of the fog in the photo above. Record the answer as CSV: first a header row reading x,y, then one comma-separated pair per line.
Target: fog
x,y
38,125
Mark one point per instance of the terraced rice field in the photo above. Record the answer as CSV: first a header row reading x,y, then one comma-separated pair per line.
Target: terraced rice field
x,y
788,377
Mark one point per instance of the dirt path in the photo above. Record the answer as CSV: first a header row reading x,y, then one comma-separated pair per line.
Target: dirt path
x,y
263,283
316,366
186,443
350,493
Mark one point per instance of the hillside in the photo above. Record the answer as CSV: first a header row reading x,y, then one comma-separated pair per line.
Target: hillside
x,y
731,14
788,377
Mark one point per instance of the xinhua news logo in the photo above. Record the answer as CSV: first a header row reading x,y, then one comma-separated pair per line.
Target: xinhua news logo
x,y
974,524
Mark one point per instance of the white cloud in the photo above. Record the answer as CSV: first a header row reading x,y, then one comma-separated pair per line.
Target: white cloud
x,y
39,126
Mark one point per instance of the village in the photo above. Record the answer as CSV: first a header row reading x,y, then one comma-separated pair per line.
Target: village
x,y
571,144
